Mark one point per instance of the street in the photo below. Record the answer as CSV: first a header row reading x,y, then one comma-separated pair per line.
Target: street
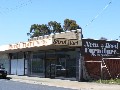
x,y
14,82
14,85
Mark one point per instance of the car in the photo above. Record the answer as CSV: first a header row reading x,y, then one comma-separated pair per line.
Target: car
x,y
3,72
56,70
60,70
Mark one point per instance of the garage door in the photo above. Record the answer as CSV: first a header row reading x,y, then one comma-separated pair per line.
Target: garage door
x,y
13,66
17,66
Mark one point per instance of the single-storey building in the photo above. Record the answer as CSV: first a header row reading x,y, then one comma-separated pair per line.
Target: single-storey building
x,y
64,54
50,56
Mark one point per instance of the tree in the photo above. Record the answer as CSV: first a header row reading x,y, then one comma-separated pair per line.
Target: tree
x,y
70,25
55,27
34,30
38,30
45,29
52,27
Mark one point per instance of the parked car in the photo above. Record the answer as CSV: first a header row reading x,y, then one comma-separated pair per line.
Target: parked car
x,y
60,70
57,70
3,72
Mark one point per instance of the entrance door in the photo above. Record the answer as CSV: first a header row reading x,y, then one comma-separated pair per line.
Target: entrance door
x,y
50,68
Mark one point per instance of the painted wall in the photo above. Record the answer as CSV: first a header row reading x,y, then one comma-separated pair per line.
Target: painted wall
x,y
94,65
100,48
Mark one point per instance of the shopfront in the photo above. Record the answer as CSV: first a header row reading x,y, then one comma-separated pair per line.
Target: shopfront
x,y
49,56
53,63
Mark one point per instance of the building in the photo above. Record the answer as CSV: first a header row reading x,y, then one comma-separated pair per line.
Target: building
x,y
101,59
45,56
63,54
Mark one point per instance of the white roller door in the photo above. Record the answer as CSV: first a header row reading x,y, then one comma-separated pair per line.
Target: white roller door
x,y
17,66
14,66
20,67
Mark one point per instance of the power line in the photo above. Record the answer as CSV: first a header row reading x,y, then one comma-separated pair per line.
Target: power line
x,y
21,4
98,14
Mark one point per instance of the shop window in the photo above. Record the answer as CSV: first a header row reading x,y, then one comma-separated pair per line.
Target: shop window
x,y
20,55
67,59
37,63
14,56
37,66
35,56
71,63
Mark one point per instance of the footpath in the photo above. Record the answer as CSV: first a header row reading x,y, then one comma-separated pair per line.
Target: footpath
x,y
64,83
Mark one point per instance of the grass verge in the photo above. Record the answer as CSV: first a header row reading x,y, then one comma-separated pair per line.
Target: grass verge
x,y
111,81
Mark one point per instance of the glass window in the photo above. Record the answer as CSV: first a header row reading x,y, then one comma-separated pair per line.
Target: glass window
x,y
67,60
37,63
71,63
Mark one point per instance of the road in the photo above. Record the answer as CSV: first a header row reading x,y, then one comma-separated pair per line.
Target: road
x,y
35,83
14,85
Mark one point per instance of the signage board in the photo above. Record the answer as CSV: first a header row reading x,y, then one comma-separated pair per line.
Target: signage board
x,y
100,47
45,42
29,44
69,42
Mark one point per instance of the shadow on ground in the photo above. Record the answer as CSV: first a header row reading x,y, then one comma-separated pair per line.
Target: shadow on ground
x,y
7,78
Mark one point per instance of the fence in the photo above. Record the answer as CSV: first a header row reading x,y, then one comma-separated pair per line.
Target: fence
x,y
110,68
101,68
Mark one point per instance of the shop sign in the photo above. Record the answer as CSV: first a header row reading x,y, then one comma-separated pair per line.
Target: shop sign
x,y
29,44
101,49
74,42
69,42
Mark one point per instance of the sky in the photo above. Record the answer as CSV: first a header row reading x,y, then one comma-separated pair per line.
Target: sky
x,y
98,18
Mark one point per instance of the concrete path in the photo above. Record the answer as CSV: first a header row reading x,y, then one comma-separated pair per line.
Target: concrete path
x,y
65,83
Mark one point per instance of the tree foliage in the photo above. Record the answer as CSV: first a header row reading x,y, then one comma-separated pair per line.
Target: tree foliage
x,y
52,27
34,30
55,27
38,30
70,25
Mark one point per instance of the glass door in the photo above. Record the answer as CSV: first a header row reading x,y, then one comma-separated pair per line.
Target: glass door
x,y
50,68
50,63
